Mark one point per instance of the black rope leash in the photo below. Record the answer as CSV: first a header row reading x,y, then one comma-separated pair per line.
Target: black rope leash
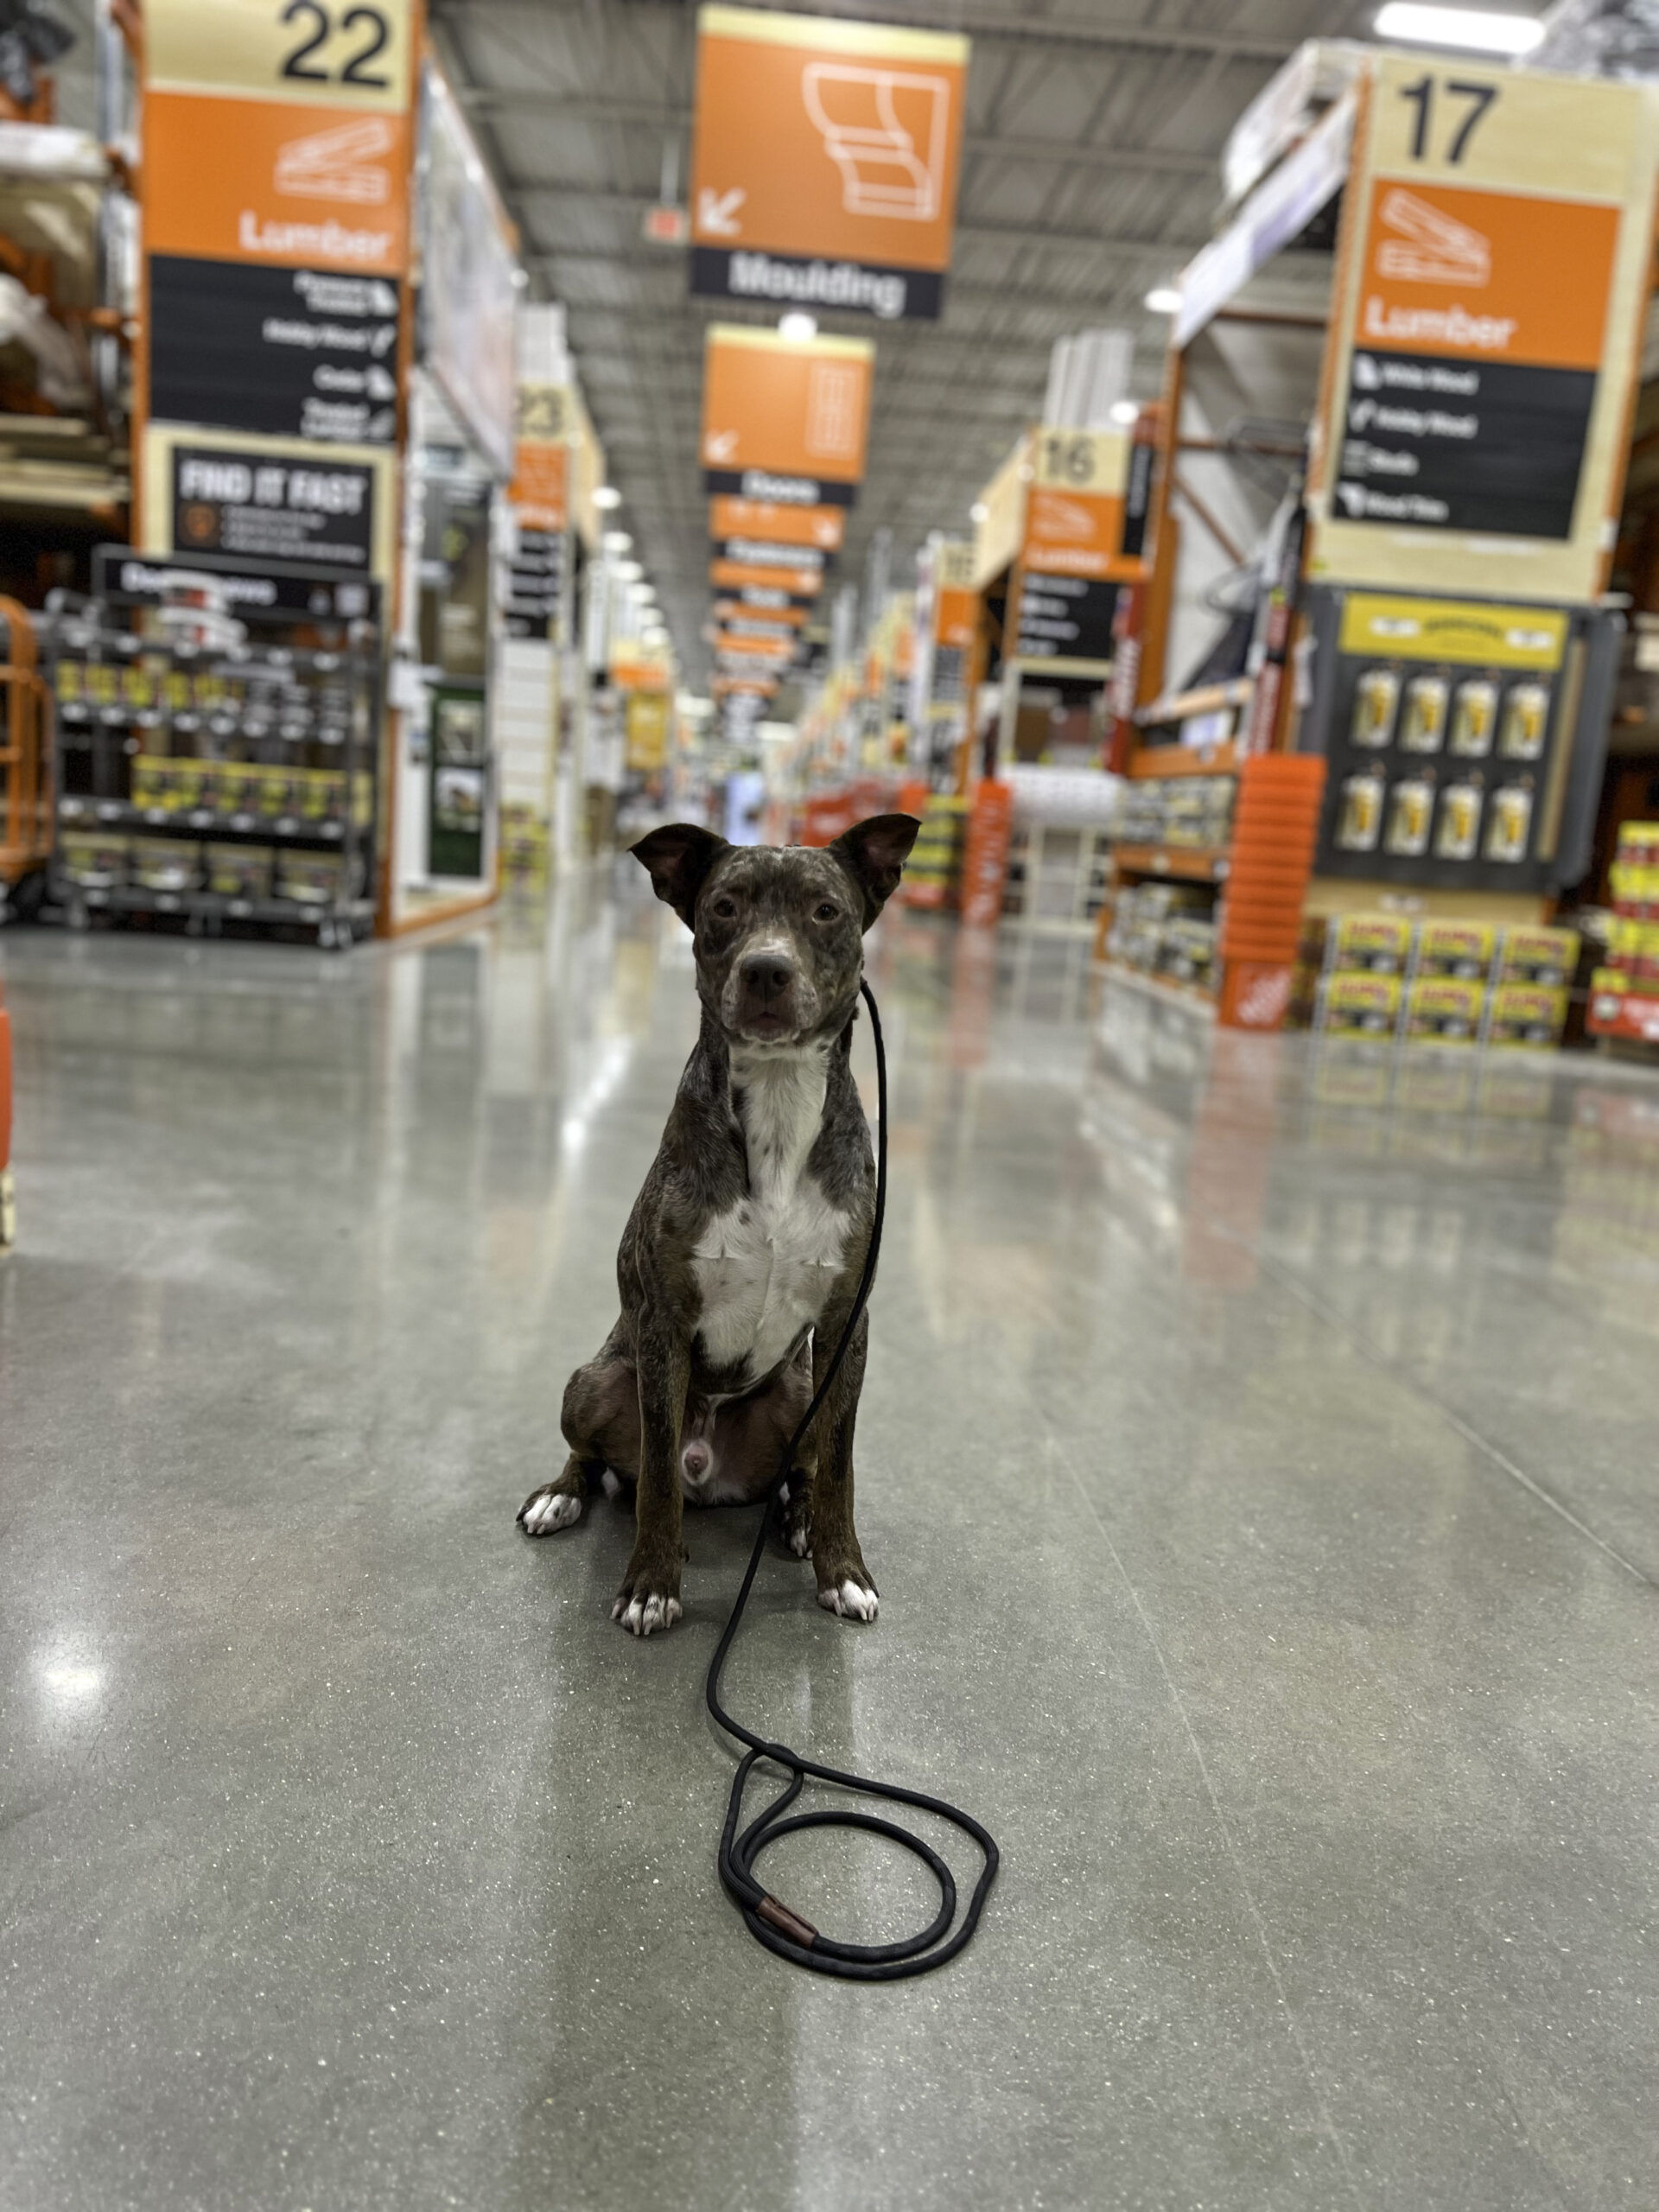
x,y
769,1922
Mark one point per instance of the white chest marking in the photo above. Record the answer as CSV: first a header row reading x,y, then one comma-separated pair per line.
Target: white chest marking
x,y
765,1267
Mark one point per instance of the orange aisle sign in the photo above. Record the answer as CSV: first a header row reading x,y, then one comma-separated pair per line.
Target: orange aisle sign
x,y
776,607
752,652
539,484
1086,514
956,616
278,143
1491,289
280,137
785,422
825,169
742,576
824,527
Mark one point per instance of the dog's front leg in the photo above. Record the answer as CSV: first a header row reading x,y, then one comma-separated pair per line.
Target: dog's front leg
x,y
650,1596
844,1584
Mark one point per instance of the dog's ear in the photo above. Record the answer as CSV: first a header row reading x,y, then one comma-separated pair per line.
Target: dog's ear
x,y
678,858
873,854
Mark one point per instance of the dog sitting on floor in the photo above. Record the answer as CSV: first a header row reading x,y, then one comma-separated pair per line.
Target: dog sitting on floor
x,y
741,1260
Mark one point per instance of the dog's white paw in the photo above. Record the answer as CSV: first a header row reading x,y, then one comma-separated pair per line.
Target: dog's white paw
x,y
798,1535
852,1601
545,1511
641,1615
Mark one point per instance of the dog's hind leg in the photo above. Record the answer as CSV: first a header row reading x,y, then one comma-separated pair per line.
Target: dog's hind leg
x,y
601,1421
558,1504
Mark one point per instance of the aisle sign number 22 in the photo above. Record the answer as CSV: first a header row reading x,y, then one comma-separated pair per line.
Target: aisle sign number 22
x,y
334,53
1471,101
319,29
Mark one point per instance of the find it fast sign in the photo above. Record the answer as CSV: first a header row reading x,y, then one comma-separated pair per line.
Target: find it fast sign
x,y
825,169
267,509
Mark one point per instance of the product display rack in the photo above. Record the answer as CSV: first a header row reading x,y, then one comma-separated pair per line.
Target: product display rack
x,y
1184,736
225,782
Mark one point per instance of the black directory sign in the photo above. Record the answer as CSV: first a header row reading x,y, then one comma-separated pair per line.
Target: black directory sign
x,y
535,583
272,591
1064,618
1457,444
289,352
259,507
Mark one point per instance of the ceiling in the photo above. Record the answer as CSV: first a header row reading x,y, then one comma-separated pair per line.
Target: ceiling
x,y
1091,172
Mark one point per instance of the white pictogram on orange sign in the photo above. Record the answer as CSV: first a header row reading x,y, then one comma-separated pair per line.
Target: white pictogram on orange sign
x,y
888,166
339,164
1432,247
832,411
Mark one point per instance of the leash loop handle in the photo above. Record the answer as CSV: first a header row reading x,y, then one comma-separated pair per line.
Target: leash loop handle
x,y
770,1921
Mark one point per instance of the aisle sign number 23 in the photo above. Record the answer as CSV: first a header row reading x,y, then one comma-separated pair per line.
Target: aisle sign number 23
x,y
337,52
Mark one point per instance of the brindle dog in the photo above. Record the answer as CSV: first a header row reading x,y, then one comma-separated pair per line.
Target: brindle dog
x,y
739,1264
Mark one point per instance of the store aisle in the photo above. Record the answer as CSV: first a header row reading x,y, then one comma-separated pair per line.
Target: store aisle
x,y
1257,1463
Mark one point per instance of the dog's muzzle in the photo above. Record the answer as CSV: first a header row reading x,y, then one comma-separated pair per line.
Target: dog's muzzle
x,y
766,997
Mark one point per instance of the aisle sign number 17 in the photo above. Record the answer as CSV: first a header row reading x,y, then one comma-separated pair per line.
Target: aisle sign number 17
x,y
1472,103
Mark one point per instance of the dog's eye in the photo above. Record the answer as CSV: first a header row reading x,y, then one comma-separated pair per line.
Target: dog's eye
x,y
724,909
828,912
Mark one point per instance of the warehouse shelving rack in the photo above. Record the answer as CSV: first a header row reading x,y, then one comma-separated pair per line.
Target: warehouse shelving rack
x,y
306,627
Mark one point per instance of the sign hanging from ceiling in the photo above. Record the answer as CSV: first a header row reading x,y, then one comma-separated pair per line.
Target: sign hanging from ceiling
x,y
823,527
824,172
748,578
279,136
785,423
1492,285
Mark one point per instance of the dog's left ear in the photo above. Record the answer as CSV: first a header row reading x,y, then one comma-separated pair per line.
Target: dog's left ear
x,y
873,854
678,858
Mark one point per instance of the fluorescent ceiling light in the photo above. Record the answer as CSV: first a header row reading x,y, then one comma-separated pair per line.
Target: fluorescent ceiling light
x,y
1165,299
1475,30
617,540
797,327
606,495
627,572
1124,411
978,512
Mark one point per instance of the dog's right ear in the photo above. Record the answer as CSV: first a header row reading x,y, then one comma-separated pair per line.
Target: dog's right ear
x,y
678,858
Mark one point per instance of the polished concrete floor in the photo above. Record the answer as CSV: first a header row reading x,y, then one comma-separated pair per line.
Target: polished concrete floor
x,y
1259,1465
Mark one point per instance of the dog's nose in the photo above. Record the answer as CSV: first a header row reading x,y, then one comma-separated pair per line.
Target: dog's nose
x,y
766,976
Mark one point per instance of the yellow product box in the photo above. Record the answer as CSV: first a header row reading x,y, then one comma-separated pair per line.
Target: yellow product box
x,y
239,871
362,798
167,863
1538,956
280,792
319,794
1445,1009
188,784
103,684
1376,944
1462,950
1361,1006
1526,1013
95,862
1639,841
150,781
241,784
1634,884
1610,979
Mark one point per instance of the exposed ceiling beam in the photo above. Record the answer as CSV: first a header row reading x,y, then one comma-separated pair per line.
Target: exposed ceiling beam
x,y
991,27
561,107
1020,234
